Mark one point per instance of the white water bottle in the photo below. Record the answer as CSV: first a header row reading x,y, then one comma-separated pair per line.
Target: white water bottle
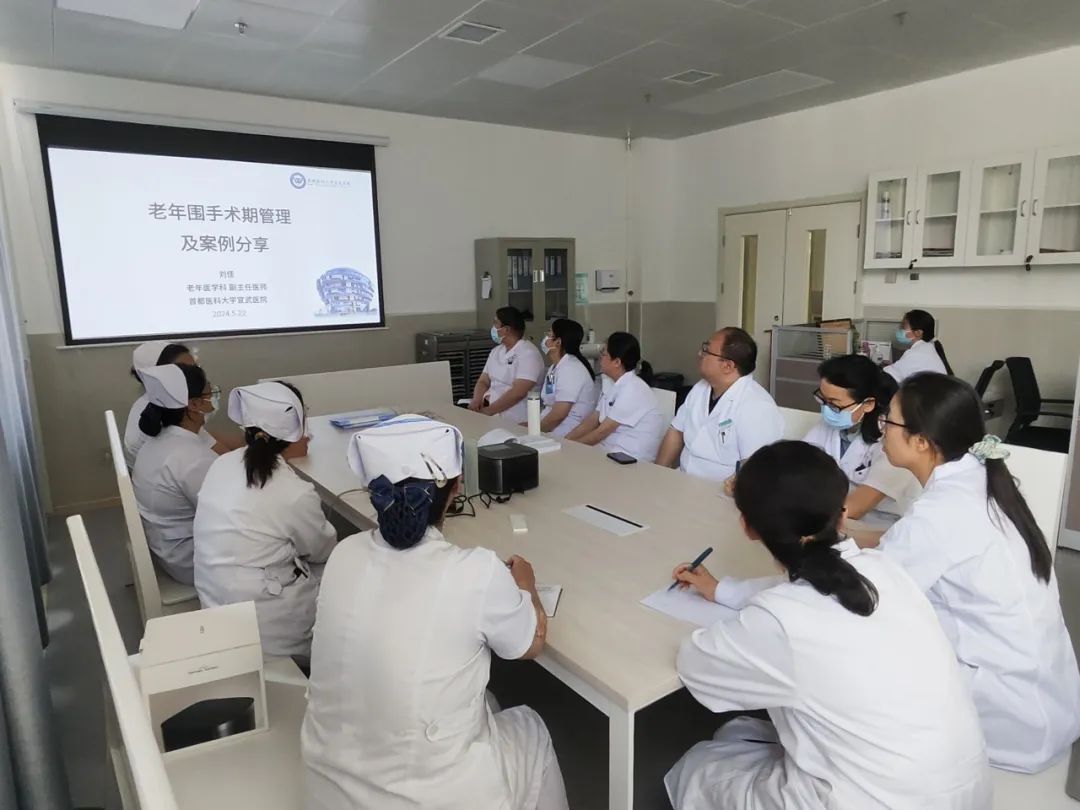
x,y
533,404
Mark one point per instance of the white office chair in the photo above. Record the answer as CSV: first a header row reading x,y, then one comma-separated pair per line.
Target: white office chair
x,y
414,385
1040,476
157,592
665,401
798,423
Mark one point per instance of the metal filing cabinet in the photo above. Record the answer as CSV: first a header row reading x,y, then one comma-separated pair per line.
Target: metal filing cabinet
x,y
466,351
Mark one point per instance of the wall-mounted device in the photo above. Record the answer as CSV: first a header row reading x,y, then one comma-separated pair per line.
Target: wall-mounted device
x,y
608,280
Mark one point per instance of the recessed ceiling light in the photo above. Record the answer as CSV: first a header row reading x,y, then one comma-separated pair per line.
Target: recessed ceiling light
x,y
172,14
471,32
691,77
535,72
750,91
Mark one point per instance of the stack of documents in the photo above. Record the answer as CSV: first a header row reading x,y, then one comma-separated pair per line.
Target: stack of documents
x,y
355,420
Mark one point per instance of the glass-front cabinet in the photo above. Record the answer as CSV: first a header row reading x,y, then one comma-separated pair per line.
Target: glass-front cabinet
x,y
940,217
889,219
536,276
1000,195
1054,224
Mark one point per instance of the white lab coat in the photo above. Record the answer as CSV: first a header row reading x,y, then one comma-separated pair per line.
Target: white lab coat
x,y
920,356
134,438
744,420
397,716
631,402
504,367
867,464
168,474
265,545
1005,626
868,712
569,381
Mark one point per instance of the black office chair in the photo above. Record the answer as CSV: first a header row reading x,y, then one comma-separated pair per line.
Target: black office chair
x,y
1030,406
986,376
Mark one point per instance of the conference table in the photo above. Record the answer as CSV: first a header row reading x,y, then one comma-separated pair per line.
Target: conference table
x,y
602,643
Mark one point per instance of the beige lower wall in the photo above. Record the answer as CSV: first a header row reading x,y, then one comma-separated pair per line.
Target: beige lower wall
x,y
74,386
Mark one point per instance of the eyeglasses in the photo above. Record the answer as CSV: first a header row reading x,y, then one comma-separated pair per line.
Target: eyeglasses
x,y
883,420
215,391
820,399
705,350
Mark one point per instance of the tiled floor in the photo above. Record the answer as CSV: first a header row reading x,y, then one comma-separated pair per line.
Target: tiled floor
x,y
664,731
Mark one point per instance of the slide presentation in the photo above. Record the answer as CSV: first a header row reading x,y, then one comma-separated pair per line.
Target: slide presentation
x,y
156,244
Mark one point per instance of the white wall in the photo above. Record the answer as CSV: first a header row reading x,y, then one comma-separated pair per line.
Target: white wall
x,y
442,184
1020,105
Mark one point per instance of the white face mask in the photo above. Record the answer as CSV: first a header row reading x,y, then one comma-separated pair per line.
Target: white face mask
x,y
545,345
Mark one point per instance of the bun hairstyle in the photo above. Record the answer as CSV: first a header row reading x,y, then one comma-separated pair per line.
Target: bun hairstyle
x,y
947,412
168,355
154,417
862,379
571,333
407,508
791,495
624,347
923,321
263,450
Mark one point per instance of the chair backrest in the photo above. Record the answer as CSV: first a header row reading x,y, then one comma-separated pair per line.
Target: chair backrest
x,y
1040,475
986,376
1025,389
408,386
798,423
144,761
142,564
665,401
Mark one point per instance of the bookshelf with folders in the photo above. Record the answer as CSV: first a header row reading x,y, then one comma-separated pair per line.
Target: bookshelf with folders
x,y
534,275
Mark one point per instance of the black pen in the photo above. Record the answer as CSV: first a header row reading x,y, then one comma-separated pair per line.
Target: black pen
x,y
700,559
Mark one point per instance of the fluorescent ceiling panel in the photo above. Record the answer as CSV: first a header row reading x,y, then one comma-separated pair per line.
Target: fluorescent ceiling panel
x,y
473,33
535,72
749,92
172,14
691,77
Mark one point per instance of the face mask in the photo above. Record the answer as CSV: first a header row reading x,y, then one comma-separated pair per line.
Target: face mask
x,y
546,345
840,421
495,335
215,403
901,337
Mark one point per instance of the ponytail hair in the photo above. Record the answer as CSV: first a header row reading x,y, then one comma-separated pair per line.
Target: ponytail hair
x,y
947,412
155,418
920,319
624,347
263,450
791,495
570,334
862,379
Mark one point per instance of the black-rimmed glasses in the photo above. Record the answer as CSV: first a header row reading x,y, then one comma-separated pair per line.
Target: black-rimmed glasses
x,y
820,399
883,420
705,350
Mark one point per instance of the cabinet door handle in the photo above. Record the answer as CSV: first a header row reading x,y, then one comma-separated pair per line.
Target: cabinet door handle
x,y
917,215
1035,207
1023,206
542,276
907,218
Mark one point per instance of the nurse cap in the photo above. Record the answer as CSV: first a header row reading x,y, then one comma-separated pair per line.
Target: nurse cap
x,y
269,406
166,386
146,354
407,446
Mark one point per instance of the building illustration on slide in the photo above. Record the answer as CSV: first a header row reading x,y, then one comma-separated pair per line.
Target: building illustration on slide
x,y
345,291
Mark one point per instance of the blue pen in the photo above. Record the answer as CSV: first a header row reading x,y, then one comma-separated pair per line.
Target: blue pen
x,y
700,559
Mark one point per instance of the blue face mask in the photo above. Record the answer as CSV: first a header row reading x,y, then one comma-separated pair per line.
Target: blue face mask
x,y
840,421
495,335
901,337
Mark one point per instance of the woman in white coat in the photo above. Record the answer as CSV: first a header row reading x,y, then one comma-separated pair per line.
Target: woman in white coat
x,y
569,390
971,542
867,706
407,622
260,532
172,463
627,418
853,392
924,351
148,355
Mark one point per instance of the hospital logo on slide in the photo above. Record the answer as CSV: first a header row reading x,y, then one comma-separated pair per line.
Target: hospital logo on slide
x,y
297,180
345,291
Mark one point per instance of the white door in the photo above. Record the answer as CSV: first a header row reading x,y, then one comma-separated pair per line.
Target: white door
x,y
1000,197
752,281
1054,224
890,211
941,215
821,268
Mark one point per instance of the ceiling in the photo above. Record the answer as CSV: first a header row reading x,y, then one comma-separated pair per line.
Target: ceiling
x,y
588,66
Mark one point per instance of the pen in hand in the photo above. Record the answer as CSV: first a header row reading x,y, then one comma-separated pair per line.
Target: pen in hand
x,y
698,561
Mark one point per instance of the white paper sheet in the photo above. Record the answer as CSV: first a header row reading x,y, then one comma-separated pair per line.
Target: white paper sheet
x,y
688,606
549,597
607,519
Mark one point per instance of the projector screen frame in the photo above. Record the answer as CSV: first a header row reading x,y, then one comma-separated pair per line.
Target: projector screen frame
x,y
126,137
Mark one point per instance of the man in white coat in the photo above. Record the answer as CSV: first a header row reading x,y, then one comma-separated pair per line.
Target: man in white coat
x,y
397,716
727,416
